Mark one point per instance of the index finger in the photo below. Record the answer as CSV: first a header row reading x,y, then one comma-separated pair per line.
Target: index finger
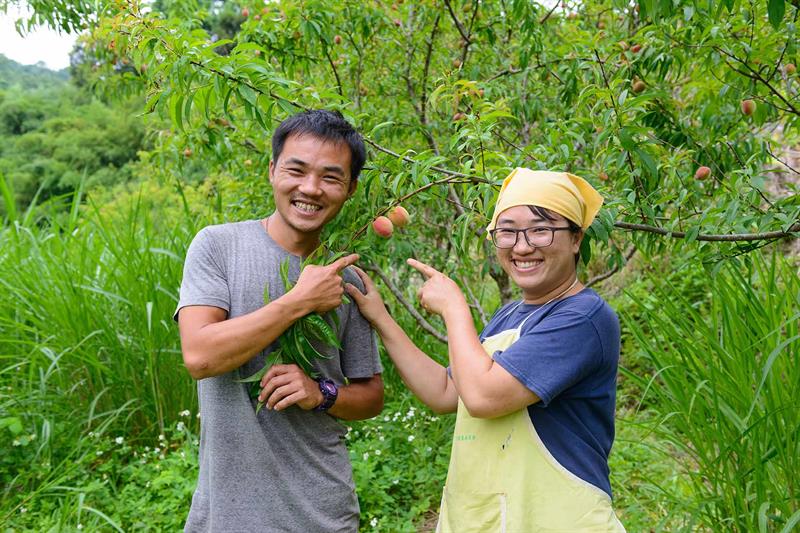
x,y
427,271
344,262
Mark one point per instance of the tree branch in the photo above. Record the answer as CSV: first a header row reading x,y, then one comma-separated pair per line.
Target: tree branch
x,y
732,237
460,28
611,272
423,323
335,72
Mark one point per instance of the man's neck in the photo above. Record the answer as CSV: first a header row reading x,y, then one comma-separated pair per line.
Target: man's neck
x,y
291,240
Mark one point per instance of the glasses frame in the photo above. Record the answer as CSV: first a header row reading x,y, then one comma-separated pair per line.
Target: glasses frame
x,y
524,232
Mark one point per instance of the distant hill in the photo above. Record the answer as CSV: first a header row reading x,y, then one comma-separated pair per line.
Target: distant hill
x,y
28,77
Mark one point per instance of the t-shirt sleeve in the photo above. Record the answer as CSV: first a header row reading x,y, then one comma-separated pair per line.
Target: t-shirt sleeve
x,y
554,354
204,280
360,358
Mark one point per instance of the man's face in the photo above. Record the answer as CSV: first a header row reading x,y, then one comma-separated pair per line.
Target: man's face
x,y
310,181
538,271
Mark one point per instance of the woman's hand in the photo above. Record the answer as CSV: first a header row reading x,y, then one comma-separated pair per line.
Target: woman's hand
x,y
369,303
439,293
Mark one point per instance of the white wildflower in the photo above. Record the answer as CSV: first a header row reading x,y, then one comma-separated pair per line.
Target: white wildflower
x,y
185,412
377,452
411,438
373,522
119,440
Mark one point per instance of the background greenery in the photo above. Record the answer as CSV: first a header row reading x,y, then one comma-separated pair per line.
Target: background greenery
x,y
162,126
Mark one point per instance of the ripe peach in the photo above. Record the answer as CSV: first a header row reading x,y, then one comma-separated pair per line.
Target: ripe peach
x,y
638,86
337,39
459,116
636,48
245,12
399,216
187,152
383,227
748,106
789,69
603,176
702,173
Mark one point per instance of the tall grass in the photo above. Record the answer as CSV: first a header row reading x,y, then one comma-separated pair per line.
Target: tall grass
x,y
85,322
727,389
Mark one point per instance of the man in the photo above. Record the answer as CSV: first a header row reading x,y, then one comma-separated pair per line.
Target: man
x,y
285,468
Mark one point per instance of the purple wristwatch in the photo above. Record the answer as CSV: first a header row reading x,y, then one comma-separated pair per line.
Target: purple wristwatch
x,y
329,392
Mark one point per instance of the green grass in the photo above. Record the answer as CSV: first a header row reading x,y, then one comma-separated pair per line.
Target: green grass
x,y
725,392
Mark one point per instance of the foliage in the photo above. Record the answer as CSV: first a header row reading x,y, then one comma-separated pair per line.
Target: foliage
x,y
57,139
726,387
28,77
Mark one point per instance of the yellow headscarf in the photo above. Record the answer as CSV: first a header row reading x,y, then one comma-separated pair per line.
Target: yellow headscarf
x,y
561,192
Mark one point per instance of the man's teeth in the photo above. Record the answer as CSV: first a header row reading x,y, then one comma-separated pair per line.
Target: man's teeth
x,y
526,264
307,207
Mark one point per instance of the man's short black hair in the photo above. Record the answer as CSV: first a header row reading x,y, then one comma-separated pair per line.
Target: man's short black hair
x,y
326,125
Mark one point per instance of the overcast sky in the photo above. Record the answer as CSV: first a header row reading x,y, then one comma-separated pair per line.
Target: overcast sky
x,y
45,45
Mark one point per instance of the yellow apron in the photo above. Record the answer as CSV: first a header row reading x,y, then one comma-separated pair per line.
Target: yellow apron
x,y
502,478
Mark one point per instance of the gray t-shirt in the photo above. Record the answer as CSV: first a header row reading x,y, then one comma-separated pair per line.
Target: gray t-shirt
x,y
275,471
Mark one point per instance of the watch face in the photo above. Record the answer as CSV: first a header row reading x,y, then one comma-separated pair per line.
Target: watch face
x,y
329,387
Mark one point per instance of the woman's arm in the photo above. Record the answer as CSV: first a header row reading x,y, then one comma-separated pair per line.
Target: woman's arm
x,y
486,388
426,378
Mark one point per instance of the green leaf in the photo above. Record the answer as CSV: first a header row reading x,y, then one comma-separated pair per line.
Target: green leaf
x,y
328,336
626,139
775,11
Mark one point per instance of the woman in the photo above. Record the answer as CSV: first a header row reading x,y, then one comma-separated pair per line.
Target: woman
x,y
535,392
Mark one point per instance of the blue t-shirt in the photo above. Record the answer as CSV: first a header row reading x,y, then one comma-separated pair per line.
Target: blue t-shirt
x,y
567,354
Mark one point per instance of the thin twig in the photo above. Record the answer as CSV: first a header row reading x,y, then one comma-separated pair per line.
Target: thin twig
x,y
475,303
459,26
611,272
423,323
784,163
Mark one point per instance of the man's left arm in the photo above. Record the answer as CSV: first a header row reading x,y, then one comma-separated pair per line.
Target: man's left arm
x,y
286,385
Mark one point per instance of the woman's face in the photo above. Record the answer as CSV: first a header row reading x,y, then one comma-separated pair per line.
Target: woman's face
x,y
541,273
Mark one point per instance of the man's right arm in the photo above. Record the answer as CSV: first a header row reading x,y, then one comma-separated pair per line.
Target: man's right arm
x,y
212,345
